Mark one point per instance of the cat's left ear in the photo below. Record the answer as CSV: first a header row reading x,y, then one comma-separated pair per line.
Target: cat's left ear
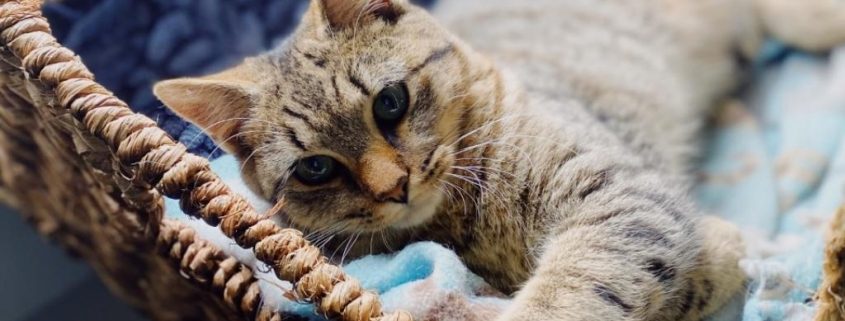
x,y
218,104
343,14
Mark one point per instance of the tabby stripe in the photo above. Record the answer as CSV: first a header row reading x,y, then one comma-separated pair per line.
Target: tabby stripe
x,y
612,298
687,300
299,116
707,293
422,115
355,81
613,250
435,56
598,181
317,61
660,270
613,214
336,89
291,134
299,102
427,162
525,195
662,201
640,231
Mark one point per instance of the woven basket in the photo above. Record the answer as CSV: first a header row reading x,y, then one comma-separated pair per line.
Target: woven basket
x,y
90,174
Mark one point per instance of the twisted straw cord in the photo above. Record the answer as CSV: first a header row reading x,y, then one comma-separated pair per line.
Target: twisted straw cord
x,y
208,265
152,159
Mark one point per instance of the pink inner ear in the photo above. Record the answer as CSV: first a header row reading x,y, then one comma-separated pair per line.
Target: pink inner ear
x,y
348,13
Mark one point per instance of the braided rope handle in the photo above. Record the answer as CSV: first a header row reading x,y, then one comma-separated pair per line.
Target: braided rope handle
x,y
153,160
208,265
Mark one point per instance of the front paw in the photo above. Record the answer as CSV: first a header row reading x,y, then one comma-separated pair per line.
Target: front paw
x,y
521,314
534,312
562,304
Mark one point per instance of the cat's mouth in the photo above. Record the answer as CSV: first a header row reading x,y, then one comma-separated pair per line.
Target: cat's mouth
x,y
426,192
419,210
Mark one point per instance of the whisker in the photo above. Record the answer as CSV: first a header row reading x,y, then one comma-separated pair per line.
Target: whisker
x,y
459,190
384,240
349,248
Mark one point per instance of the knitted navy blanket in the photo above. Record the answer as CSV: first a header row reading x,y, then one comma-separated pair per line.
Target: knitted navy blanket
x,y
131,44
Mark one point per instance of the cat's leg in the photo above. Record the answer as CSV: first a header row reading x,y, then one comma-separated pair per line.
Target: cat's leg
x,y
631,258
578,280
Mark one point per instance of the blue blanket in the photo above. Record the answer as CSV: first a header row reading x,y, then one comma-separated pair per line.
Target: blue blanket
x,y
774,165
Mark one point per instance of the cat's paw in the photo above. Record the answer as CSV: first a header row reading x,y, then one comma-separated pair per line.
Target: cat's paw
x,y
527,314
814,25
722,248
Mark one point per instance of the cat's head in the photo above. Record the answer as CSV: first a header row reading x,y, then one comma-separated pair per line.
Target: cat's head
x,y
352,122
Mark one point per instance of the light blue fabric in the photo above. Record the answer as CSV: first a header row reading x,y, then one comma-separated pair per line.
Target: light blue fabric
x,y
775,167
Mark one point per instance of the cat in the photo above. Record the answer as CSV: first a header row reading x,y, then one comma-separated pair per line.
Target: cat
x,y
548,142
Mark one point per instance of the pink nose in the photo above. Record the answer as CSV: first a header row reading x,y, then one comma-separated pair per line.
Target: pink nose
x,y
383,176
397,194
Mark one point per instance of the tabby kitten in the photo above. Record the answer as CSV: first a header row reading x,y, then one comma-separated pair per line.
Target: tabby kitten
x,y
555,164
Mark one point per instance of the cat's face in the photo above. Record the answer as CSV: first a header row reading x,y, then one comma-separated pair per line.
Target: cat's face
x,y
352,123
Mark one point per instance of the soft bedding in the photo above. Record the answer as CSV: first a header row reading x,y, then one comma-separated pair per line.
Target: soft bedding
x,y
776,167
774,164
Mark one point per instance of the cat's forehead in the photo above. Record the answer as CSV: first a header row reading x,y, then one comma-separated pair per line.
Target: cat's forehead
x,y
323,86
322,99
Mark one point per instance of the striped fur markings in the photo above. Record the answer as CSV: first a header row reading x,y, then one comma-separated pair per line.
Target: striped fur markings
x,y
612,298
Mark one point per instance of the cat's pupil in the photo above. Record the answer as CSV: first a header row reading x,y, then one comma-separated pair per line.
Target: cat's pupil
x,y
390,105
316,167
316,170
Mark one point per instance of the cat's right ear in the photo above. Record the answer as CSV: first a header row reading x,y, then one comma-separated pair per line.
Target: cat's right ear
x,y
346,14
218,104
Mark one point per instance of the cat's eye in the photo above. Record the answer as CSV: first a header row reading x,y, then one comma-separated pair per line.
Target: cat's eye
x,y
316,170
391,104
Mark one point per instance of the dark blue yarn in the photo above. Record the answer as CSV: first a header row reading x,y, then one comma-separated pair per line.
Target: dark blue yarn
x,y
131,44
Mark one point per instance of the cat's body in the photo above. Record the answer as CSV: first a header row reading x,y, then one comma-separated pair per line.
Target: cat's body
x,y
562,175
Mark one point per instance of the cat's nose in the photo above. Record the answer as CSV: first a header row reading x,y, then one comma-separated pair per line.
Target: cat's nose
x,y
397,194
383,176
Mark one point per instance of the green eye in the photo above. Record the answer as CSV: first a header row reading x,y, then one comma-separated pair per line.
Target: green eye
x,y
391,104
316,170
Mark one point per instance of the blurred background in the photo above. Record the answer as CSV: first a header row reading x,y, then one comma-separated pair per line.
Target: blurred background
x,y
41,283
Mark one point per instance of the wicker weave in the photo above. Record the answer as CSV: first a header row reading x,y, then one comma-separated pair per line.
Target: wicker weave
x,y
831,294
91,174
